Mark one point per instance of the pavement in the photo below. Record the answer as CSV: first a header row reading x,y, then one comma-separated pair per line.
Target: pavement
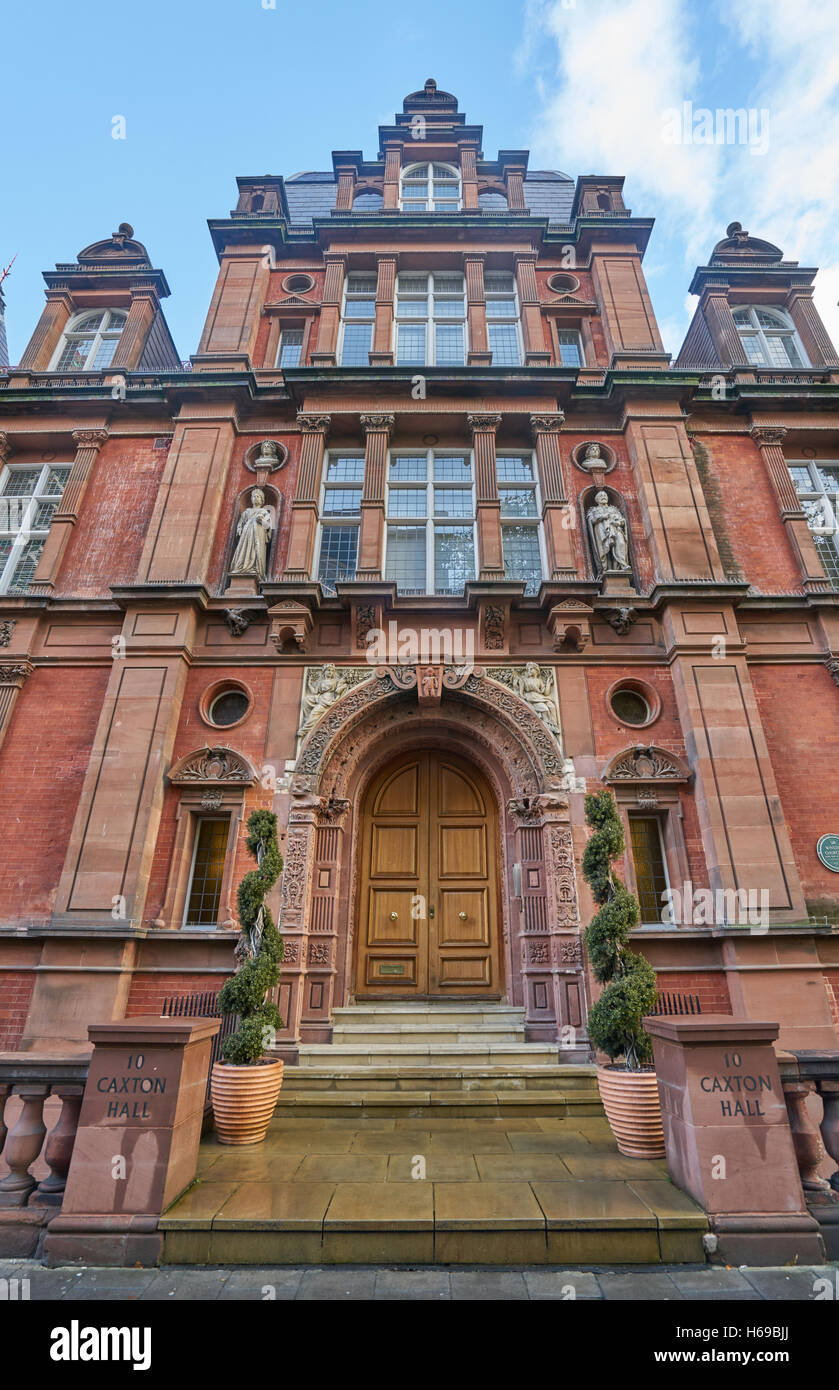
x,y
662,1283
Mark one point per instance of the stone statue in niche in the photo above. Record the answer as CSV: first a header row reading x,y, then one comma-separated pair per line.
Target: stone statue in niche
x,y
324,685
607,527
256,525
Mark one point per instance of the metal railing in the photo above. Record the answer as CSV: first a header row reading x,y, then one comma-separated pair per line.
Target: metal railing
x,y
202,1005
667,1004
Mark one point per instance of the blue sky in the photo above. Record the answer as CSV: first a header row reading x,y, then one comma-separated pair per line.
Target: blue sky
x,y
225,87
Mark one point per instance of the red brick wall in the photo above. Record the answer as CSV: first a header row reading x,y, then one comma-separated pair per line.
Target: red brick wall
x,y
108,538
15,993
711,986
750,513
148,991
42,767
799,709
831,984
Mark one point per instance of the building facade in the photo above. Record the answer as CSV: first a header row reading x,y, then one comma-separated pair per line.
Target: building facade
x,y
428,538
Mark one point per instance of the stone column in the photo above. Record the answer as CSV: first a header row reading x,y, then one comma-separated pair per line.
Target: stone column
x,y
479,354
557,515
393,163
88,443
330,314
770,439
469,177
377,430
535,352
54,318
723,330
234,316
136,330
382,354
12,676
346,187
304,508
514,179
490,553
811,330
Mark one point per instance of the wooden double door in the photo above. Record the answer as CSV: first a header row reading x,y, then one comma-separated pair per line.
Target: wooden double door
x,y
428,907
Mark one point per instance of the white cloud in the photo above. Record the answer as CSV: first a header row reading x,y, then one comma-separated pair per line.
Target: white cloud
x,y
621,64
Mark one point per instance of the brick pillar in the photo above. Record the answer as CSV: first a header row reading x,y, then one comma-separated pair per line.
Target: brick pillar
x,y
557,516
476,311
811,330
770,439
136,330
723,331
490,554
304,508
377,430
88,443
393,163
346,188
330,315
51,325
469,178
234,315
514,179
382,354
535,352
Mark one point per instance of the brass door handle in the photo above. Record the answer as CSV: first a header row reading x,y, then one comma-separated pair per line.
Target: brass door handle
x,y
462,916
431,911
394,916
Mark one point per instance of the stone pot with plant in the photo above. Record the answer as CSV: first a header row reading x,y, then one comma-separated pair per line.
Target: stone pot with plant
x,y
628,1086
245,1084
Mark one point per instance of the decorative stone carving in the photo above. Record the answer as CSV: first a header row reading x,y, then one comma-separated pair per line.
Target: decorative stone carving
x,y
254,531
320,952
266,457
561,869
646,764
647,798
211,801
539,952
428,680
570,626
531,810
89,439
238,620
592,459
295,877
366,620
219,765
483,422
377,422
5,446
547,424
290,622
6,629
570,950
607,529
13,672
314,424
536,685
322,686
833,667
494,621
765,436
621,619
291,950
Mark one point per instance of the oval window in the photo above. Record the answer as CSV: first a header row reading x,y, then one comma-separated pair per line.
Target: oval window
x,y
630,707
228,707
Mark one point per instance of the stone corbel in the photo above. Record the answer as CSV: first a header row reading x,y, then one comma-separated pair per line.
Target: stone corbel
x,y
290,623
570,626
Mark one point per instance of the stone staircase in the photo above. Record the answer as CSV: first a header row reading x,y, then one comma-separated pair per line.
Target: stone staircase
x,y
420,1059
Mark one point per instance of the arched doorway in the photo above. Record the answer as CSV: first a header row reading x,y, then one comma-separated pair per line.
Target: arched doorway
x,y
428,907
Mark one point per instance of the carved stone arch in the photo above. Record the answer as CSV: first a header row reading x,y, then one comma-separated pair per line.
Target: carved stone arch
x,y
274,499
213,767
540,757
646,764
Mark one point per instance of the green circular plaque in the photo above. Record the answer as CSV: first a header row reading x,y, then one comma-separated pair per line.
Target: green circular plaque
x,y
828,851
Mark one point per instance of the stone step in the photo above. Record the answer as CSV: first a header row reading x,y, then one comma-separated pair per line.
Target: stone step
x,y
425,1033
570,1079
462,1013
328,1055
428,1104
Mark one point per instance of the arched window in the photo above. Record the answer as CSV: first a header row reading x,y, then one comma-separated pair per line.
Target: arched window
x,y
90,341
769,337
429,188
367,201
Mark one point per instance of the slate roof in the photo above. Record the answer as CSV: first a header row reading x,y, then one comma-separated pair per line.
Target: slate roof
x,y
312,194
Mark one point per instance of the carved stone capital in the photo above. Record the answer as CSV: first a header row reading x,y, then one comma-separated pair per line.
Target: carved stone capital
x,y
766,435
89,439
15,672
5,446
483,423
547,424
377,424
314,424
7,627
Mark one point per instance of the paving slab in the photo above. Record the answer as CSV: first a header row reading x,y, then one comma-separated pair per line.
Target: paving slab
x,y
365,1168
561,1284
386,1206
502,1206
439,1167
258,1206
335,1284
481,1285
410,1284
788,1284
652,1285
519,1167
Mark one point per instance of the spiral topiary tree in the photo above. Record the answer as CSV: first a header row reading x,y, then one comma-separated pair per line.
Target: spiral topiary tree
x,y
614,1022
260,946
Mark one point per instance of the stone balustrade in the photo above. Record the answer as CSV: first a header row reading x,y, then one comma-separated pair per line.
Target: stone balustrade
x,y
805,1074
32,1078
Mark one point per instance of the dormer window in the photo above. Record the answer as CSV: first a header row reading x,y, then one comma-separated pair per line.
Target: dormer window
x,y
769,337
429,188
90,341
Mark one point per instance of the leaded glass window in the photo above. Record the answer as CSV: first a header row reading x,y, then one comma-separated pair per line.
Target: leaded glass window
x,y
817,486
431,320
291,347
90,341
434,493
341,513
517,492
429,188
207,873
28,499
357,320
650,868
502,319
769,337
570,348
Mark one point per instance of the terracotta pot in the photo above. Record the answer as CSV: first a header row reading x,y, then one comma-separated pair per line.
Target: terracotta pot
x,y
244,1098
633,1109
